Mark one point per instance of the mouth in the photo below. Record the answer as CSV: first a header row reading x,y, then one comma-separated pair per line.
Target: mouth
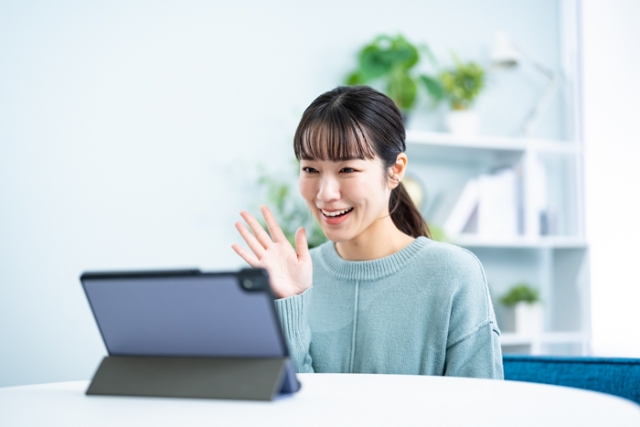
x,y
335,214
335,217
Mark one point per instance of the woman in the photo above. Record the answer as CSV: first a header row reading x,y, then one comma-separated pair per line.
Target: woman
x,y
380,296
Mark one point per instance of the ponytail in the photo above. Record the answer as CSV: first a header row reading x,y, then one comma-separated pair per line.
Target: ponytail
x,y
405,214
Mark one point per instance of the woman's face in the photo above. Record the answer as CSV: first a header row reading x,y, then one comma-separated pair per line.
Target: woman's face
x,y
346,197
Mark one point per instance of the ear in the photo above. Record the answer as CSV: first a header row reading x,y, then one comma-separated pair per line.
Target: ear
x,y
397,170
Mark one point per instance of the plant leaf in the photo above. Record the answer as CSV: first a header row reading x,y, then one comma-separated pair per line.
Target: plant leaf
x,y
402,88
374,63
433,87
354,79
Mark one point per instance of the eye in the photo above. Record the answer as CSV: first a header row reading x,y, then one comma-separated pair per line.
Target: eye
x,y
307,169
348,170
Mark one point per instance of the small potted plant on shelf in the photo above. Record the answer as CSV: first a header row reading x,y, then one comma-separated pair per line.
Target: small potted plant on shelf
x,y
525,301
460,86
390,61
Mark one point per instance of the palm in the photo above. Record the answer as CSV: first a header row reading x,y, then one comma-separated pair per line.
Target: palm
x,y
290,270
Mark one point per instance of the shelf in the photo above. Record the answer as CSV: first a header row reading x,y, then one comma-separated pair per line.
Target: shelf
x,y
489,142
438,146
560,242
507,339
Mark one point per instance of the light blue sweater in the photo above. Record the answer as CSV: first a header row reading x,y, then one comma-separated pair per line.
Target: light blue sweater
x,y
424,310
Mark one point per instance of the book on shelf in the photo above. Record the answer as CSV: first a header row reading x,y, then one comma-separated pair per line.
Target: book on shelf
x,y
463,209
538,196
489,206
547,211
497,205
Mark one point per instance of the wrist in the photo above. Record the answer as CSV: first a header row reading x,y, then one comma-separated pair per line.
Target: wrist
x,y
291,292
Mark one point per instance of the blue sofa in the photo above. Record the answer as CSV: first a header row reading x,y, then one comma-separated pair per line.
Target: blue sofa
x,y
617,376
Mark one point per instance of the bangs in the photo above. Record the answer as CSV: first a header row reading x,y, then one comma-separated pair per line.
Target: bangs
x,y
335,138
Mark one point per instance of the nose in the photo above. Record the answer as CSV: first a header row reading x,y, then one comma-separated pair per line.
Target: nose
x,y
329,189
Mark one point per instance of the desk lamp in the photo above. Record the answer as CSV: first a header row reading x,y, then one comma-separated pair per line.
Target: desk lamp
x,y
505,54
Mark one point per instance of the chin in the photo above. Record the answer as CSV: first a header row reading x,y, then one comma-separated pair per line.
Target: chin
x,y
337,236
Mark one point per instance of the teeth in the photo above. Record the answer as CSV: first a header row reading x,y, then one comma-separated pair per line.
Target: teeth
x,y
336,213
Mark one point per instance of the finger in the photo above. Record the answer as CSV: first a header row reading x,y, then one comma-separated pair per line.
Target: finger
x,y
272,224
249,258
259,232
251,240
302,246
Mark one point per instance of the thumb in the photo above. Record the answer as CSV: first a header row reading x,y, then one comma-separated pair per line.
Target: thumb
x,y
302,247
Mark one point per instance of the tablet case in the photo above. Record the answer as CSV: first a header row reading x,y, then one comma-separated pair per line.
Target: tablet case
x,y
189,334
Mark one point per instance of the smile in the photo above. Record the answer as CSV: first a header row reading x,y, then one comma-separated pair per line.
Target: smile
x,y
335,214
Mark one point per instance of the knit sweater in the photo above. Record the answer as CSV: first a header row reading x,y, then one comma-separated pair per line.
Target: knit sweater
x,y
423,310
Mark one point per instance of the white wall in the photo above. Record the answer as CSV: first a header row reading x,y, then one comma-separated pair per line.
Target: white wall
x,y
130,132
611,40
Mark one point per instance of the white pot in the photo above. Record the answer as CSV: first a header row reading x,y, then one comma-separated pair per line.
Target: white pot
x,y
528,319
463,122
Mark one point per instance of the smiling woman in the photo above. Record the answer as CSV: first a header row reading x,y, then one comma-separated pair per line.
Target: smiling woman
x,y
380,296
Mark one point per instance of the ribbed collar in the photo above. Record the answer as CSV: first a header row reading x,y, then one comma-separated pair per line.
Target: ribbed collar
x,y
369,270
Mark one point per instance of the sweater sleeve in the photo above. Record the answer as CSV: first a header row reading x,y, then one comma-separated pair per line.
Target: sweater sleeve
x,y
473,345
478,355
292,312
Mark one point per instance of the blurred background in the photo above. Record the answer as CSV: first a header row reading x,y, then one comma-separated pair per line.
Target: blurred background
x,y
132,133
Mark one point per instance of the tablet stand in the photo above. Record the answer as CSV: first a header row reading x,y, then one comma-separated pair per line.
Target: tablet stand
x,y
201,377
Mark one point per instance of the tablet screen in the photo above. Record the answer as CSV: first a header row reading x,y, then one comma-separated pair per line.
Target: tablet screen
x,y
203,315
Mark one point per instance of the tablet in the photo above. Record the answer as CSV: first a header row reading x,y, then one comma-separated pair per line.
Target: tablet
x,y
187,313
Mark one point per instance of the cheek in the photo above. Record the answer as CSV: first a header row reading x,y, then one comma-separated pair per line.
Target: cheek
x,y
368,193
362,190
307,190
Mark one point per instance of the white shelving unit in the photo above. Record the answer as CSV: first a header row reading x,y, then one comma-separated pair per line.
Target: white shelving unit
x,y
447,140
556,263
535,344
542,242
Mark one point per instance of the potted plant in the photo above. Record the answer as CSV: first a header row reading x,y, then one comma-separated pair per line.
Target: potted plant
x,y
460,86
525,301
390,60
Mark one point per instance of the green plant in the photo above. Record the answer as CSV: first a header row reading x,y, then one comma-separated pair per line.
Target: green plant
x,y
461,85
520,292
391,59
438,234
290,211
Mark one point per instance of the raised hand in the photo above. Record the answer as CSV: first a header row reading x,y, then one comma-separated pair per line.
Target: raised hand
x,y
290,270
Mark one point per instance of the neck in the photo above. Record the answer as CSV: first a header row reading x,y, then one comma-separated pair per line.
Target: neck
x,y
381,239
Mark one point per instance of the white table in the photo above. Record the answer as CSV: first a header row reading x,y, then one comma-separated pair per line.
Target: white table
x,y
329,400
